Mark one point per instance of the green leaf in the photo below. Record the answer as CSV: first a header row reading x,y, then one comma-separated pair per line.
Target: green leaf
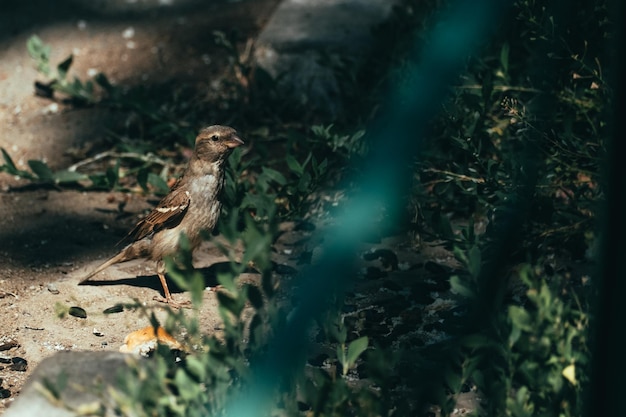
x,y
320,169
340,334
34,46
460,287
40,52
477,341
235,159
41,170
520,318
321,131
514,336
474,261
355,348
341,357
304,183
273,175
61,177
158,183
229,303
64,66
10,167
504,57
188,388
453,380
293,164
196,286
195,367
112,175
226,280
103,82
256,242
142,178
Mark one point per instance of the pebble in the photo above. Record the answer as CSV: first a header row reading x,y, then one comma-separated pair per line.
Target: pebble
x,y
78,312
19,364
128,33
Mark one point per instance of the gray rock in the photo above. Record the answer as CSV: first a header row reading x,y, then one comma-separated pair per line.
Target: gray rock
x,y
306,40
85,374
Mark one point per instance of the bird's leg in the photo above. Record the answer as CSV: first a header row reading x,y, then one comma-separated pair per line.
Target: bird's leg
x,y
166,291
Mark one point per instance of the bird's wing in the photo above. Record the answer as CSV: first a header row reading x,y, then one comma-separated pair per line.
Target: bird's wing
x,y
167,214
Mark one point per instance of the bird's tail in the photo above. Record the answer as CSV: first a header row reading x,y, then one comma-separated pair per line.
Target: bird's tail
x,y
114,260
130,252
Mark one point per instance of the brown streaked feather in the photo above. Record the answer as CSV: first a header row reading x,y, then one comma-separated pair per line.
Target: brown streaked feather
x,y
167,214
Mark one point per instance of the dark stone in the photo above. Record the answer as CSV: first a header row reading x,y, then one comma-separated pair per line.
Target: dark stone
x,y
18,364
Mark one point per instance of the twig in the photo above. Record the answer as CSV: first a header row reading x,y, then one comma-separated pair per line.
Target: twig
x,y
110,154
5,293
503,88
574,226
455,175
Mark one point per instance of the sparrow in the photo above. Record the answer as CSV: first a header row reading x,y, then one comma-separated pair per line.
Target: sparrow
x,y
192,207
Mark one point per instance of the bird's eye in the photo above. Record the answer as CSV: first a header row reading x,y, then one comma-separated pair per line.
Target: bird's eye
x,y
214,138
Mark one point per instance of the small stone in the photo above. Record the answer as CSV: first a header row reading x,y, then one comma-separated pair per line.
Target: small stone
x,y
128,33
19,364
117,308
8,344
53,289
51,109
78,312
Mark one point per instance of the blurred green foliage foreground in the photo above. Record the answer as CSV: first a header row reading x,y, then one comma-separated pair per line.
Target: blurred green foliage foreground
x,y
480,126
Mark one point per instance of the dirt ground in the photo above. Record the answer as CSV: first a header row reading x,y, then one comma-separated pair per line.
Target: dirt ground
x,y
50,238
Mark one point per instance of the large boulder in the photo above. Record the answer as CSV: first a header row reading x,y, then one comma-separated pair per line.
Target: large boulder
x,y
79,377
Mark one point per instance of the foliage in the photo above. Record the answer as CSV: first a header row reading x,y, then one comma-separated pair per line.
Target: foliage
x,y
215,366
79,92
529,107
520,138
516,160
549,355
39,172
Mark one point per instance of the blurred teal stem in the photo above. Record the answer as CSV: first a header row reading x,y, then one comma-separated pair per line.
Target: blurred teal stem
x,y
396,139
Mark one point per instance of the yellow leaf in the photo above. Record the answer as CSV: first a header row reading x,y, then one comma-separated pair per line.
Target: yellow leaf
x,y
570,374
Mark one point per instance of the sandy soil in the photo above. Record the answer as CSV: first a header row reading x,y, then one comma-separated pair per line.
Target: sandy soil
x,y
50,238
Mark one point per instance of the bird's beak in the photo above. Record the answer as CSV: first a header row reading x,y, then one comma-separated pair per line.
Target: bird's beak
x,y
233,142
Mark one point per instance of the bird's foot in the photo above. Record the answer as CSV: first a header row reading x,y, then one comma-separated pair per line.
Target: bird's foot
x,y
171,302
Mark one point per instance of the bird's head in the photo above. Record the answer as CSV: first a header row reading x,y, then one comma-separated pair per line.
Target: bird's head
x,y
215,143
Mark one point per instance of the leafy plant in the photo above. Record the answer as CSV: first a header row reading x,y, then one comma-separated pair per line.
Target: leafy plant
x,y
78,91
549,347
40,172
